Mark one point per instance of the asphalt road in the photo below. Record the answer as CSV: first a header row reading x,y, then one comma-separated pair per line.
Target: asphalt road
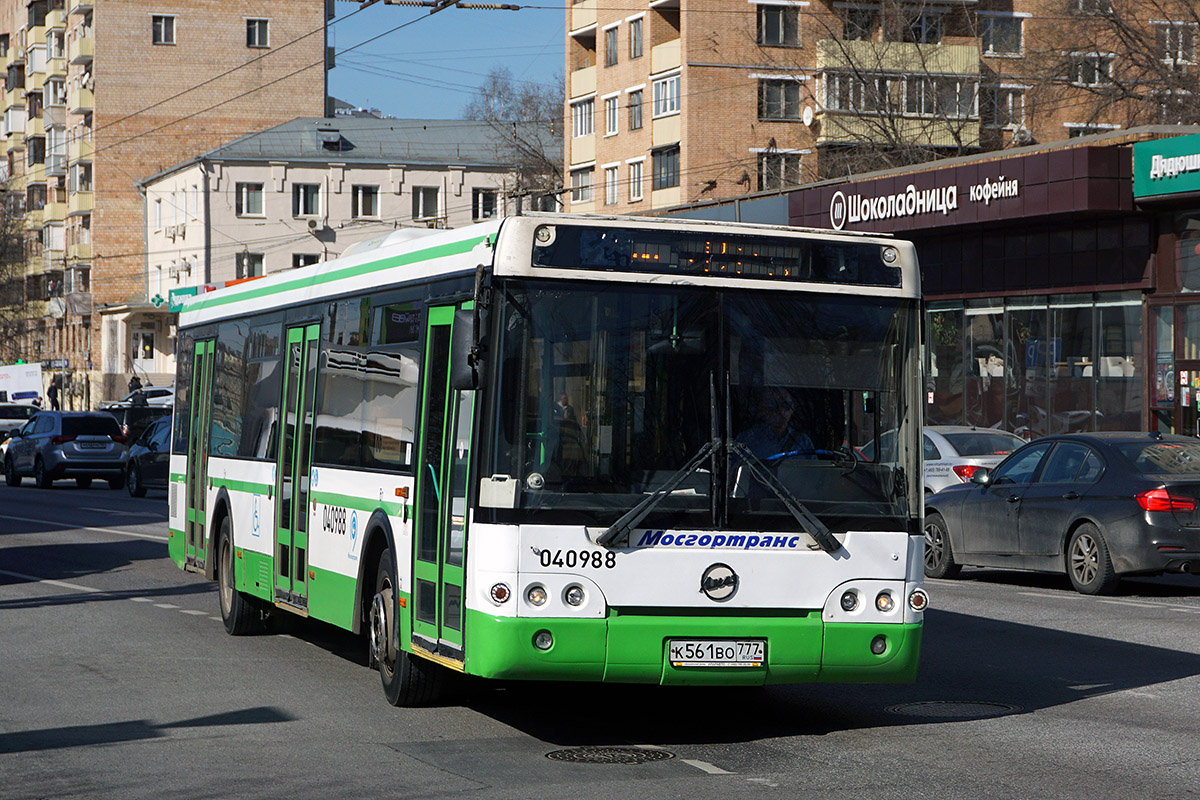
x,y
118,680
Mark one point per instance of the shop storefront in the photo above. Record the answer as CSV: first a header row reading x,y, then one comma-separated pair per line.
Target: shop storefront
x,y
1166,184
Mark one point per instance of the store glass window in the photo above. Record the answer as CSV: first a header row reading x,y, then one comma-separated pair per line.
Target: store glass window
x,y
1162,397
1032,354
1072,380
1187,231
1120,362
985,368
944,372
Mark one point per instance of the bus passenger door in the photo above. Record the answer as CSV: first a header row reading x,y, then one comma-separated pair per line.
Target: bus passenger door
x,y
441,513
195,540
292,467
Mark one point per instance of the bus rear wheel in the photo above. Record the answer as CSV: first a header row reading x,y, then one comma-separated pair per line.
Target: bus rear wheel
x,y
407,680
240,613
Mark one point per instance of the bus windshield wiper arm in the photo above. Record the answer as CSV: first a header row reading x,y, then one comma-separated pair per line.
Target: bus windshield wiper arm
x,y
633,516
808,521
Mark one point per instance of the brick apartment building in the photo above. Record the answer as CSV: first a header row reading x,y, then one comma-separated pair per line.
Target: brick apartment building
x,y
681,101
99,96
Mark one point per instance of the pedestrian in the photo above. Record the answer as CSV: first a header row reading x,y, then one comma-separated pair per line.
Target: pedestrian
x,y
37,401
139,399
52,393
135,383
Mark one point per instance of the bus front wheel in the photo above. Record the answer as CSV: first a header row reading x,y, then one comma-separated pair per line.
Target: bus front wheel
x,y
407,680
239,612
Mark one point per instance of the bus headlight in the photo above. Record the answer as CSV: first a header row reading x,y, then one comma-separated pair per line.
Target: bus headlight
x,y
574,596
918,600
890,255
536,595
500,593
849,600
884,602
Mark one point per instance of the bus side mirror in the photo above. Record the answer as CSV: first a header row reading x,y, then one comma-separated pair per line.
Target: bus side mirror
x,y
465,352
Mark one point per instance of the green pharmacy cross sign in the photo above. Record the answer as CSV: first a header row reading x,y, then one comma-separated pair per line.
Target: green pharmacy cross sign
x,y
158,300
1166,167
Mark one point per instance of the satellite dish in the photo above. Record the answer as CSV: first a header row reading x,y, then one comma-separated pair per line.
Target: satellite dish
x,y
806,116
1022,136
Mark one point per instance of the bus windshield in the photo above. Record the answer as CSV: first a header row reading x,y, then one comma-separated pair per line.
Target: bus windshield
x,y
602,393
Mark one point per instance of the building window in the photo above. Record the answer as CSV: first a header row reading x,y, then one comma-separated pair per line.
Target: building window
x,y
256,33
248,200
925,28
35,197
143,346
635,110
1077,129
778,99
1176,42
858,23
35,150
943,97
776,170
483,203
304,259
666,96
1002,107
1001,36
635,38
779,26
56,44
425,202
666,168
158,215
610,185
583,116
1091,6
581,186
306,199
249,265
1091,69
635,180
610,116
80,176
162,29
610,47
33,100
364,201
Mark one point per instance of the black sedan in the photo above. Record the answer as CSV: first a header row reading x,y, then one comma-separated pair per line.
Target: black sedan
x,y
1096,506
149,464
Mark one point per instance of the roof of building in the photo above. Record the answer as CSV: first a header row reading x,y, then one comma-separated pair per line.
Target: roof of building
x,y
366,140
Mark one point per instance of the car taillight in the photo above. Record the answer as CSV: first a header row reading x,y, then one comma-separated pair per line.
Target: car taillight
x,y
118,438
1162,500
965,471
62,439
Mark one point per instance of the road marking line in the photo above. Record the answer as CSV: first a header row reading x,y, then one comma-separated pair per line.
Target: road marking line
x,y
141,599
1055,596
59,584
216,619
165,605
87,528
706,767
193,612
126,513
1131,603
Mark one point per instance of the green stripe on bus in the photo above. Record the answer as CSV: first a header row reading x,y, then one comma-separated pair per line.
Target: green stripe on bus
x,y
332,597
254,574
249,487
175,546
367,504
441,251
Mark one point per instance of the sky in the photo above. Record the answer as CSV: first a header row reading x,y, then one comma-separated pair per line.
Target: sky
x,y
430,68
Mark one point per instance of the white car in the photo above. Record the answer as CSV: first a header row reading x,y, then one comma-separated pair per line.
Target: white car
x,y
954,452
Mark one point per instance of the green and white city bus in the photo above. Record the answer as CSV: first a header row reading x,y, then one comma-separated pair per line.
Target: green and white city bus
x,y
567,447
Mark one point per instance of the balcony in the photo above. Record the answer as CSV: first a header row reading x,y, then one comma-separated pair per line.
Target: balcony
x,y
665,56
80,101
583,15
933,59
33,220
79,6
583,149
81,49
35,36
583,82
839,128
56,68
79,253
56,164
80,203
55,212
80,150
56,18
34,126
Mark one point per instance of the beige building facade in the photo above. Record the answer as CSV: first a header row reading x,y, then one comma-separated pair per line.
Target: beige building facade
x,y
680,101
99,96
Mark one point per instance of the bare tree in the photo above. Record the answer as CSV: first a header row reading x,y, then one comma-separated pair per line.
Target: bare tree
x,y
12,278
525,120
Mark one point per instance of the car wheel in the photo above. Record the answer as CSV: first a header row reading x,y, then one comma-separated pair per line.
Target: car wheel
x,y
407,680
1088,563
117,481
133,481
40,476
10,473
83,483
939,558
240,613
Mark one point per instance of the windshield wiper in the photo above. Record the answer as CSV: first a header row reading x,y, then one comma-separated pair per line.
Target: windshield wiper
x,y
808,521
633,516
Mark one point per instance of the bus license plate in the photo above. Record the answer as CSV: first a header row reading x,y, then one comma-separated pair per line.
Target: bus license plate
x,y
717,652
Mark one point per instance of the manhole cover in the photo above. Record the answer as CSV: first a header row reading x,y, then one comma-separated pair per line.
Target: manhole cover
x,y
609,755
953,709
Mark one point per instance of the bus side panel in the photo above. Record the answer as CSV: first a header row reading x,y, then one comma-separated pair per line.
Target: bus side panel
x,y
176,487
249,487
342,503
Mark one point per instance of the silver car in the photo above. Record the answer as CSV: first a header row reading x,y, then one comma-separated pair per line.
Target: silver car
x,y
954,452
67,444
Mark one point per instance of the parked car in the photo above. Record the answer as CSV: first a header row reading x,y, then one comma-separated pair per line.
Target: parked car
x,y
12,417
155,396
1096,506
67,444
149,463
954,452
135,419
